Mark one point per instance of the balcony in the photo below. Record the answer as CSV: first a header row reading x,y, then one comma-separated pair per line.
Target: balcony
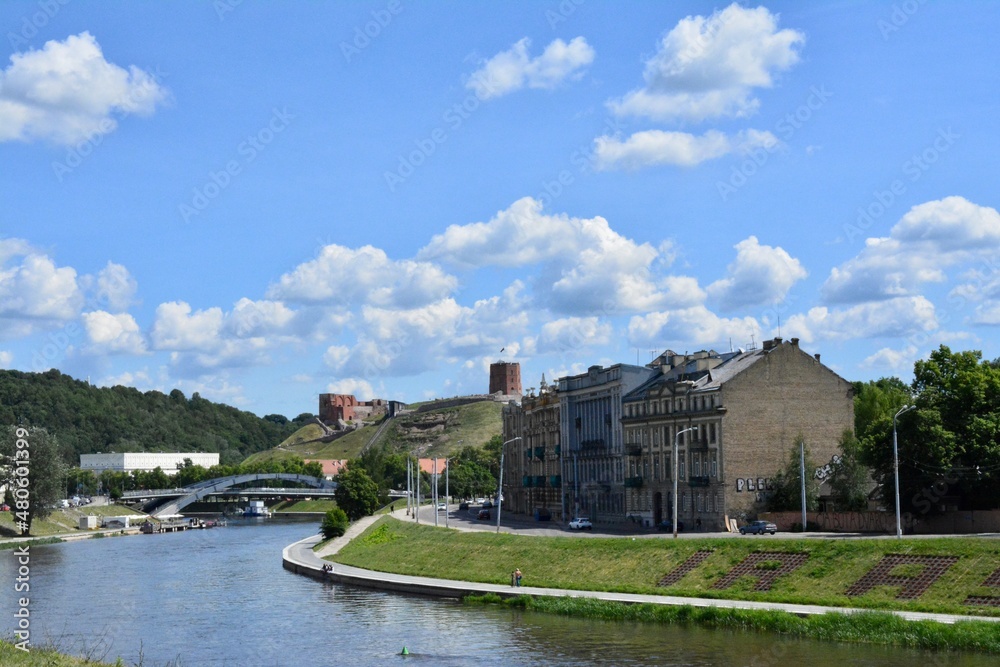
x,y
633,449
698,481
555,481
633,482
592,444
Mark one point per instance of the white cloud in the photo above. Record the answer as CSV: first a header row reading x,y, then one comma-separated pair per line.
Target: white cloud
x,y
361,389
67,92
889,359
250,318
513,69
344,276
336,356
6,358
35,289
572,334
895,318
760,275
689,326
586,266
656,147
178,328
709,67
113,333
138,379
116,287
930,238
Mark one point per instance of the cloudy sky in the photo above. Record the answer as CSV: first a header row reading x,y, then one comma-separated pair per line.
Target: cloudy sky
x,y
265,201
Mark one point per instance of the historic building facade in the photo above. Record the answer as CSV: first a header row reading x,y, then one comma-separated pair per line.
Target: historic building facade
x,y
533,464
745,411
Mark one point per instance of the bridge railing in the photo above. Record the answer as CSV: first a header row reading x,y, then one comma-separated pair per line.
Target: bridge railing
x,y
155,492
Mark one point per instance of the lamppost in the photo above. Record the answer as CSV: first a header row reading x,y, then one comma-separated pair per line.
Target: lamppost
x,y
500,488
895,465
677,439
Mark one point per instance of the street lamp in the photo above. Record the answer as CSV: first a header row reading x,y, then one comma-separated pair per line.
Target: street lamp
x,y
895,465
500,488
677,439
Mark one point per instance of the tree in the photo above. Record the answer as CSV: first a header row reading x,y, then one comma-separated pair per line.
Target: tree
x,y
334,524
850,480
357,494
33,472
787,493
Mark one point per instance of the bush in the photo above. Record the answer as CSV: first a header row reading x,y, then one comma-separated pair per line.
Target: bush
x,y
334,523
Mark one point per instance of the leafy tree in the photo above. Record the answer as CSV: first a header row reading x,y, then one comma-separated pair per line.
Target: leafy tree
x,y
334,524
950,445
851,479
787,493
81,481
34,473
357,494
876,402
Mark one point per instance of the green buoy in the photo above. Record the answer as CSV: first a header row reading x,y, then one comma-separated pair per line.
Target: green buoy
x,y
404,651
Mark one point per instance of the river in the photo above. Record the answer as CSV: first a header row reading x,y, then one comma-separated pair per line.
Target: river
x,y
221,598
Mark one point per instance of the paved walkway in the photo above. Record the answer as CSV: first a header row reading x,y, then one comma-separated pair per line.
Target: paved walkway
x,y
300,558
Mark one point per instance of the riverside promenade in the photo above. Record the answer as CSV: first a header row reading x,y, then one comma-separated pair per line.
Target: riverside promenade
x,y
300,558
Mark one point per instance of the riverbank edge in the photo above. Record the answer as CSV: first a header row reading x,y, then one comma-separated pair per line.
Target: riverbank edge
x,y
299,558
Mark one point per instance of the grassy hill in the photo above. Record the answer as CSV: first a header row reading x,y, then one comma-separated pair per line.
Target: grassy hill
x,y
429,432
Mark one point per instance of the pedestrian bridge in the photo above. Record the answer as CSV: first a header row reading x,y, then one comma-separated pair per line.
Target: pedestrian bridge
x,y
182,497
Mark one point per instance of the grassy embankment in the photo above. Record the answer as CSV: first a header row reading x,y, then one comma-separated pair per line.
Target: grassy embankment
x,y
430,433
43,657
63,520
636,566
293,506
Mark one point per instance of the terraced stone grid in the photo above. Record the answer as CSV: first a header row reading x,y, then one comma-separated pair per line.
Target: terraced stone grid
x,y
693,561
750,566
911,586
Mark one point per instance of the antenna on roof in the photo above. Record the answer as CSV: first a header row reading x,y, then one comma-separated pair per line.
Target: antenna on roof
x,y
779,325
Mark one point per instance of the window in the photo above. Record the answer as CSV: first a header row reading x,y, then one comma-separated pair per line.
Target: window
x,y
680,465
656,467
715,502
715,464
711,432
697,465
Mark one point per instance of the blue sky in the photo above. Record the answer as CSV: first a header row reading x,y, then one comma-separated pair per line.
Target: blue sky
x,y
266,201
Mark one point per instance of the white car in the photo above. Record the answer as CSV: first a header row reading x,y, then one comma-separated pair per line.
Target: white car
x,y
442,507
581,523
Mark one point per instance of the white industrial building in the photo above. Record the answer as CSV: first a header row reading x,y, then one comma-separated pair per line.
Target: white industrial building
x,y
169,463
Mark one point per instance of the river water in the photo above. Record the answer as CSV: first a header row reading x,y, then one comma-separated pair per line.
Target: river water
x,y
221,597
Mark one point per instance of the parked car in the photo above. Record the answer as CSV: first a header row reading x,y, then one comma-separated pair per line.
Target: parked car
x,y
542,514
442,507
581,523
484,515
667,526
463,506
487,503
758,528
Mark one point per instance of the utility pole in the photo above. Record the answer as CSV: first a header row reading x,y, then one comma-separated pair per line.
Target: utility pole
x,y
802,475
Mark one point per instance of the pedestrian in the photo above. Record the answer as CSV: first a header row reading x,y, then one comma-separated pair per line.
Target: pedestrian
x,y
697,524
513,579
517,577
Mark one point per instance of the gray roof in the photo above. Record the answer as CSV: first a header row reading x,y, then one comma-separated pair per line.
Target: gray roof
x,y
732,364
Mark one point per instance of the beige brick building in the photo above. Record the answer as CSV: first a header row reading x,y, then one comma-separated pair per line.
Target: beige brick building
x,y
747,409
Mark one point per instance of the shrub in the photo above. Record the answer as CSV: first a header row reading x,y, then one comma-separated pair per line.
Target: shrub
x,y
334,523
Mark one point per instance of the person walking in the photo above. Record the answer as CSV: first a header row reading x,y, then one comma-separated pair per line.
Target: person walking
x,y
517,577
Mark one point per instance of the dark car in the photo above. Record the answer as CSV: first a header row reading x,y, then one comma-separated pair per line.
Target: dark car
x,y
463,506
759,528
484,515
667,526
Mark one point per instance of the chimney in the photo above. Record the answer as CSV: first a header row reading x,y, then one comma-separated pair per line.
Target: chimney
x,y
795,342
817,356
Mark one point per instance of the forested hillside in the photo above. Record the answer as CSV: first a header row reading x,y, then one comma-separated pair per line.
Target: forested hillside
x,y
88,419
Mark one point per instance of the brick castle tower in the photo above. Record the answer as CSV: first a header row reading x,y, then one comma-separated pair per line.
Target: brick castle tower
x,y
505,378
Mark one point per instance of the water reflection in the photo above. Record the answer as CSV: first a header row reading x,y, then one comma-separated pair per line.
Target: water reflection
x,y
220,597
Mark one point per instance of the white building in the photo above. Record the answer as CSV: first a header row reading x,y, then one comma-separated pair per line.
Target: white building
x,y
170,463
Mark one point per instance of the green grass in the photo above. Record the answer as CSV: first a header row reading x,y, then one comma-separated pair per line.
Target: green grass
x,y
63,520
868,627
304,506
10,656
636,566
471,424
